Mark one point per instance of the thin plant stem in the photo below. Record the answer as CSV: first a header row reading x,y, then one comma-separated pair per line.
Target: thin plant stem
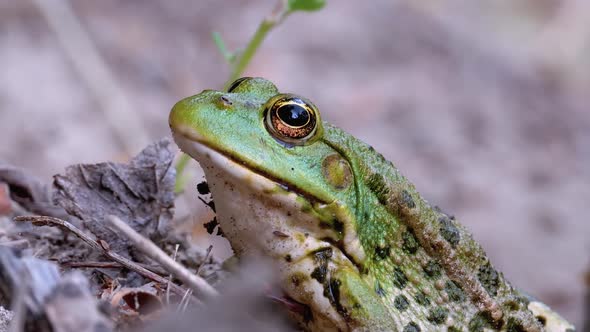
x,y
181,177
246,56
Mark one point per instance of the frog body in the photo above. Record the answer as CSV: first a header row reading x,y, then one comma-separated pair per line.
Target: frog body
x,y
352,239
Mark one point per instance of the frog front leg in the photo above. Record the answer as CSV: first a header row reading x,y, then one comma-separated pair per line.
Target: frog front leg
x,y
338,297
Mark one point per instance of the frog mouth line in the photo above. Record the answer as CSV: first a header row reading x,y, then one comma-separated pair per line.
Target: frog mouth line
x,y
195,147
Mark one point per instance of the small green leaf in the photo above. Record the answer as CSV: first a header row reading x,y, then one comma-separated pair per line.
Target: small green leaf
x,y
305,5
221,47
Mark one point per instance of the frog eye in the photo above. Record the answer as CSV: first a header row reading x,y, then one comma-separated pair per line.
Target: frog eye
x,y
237,83
291,119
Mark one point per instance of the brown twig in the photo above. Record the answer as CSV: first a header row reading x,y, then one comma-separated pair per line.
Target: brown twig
x,y
107,265
196,283
170,275
99,245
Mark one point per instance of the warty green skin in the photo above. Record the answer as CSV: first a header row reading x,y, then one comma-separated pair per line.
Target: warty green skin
x,y
382,258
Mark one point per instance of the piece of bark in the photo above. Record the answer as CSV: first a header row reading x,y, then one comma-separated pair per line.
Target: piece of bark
x,y
44,301
29,192
141,193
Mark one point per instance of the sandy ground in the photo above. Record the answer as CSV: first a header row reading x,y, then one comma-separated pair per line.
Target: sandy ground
x,y
484,107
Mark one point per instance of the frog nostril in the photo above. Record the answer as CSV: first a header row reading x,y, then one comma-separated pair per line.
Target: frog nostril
x,y
225,102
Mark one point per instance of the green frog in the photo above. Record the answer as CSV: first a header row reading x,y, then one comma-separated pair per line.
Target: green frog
x,y
353,242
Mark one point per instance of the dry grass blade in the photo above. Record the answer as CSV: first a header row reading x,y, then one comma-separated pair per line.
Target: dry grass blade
x,y
196,283
107,265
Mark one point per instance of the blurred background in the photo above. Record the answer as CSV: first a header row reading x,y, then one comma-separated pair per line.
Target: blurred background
x,y
484,105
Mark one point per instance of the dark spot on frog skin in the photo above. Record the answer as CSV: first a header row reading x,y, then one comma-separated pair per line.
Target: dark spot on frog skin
x,y
307,314
378,289
432,269
483,320
489,279
377,185
322,254
514,325
409,242
412,327
422,299
407,199
401,303
455,292
382,252
438,315
319,273
449,231
288,258
511,305
399,278
332,292
336,225
203,188
541,320
357,306
299,277
210,226
321,257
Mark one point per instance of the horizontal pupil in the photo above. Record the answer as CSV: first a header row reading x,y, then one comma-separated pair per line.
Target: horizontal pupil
x,y
293,115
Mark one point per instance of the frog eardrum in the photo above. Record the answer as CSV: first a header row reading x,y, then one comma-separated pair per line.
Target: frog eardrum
x,y
291,119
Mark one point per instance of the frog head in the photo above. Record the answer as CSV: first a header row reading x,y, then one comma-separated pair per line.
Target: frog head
x,y
280,189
